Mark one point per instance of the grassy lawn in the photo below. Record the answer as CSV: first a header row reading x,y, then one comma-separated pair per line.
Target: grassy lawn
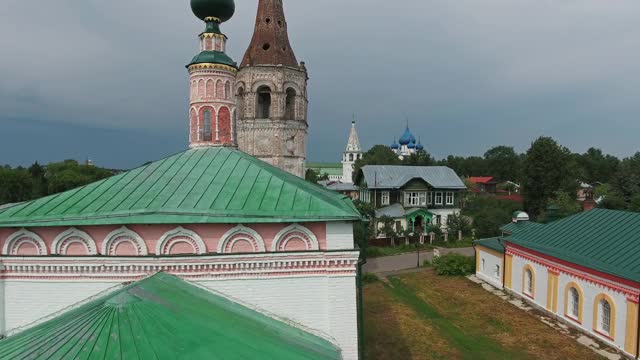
x,y
425,316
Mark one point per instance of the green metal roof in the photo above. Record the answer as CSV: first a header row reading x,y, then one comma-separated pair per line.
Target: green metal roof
x,y
603,240
164,317
208,185
326,168
213,57
514,227
491,243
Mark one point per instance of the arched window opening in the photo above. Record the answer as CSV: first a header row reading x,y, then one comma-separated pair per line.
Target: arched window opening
x,y
605,316
350,157
264,103
240,102
206,131
574,302
496,272
528,282
227,90
211,89
290,106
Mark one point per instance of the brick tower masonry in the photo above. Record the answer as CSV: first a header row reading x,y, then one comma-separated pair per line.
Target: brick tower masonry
x,y
212,105
271,94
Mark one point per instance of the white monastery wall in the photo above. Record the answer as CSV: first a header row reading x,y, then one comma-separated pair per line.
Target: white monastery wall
x,y
590,291
317,303
340,236
27,301
488,272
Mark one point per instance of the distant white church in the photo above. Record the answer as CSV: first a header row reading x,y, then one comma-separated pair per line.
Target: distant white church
x,y
342,172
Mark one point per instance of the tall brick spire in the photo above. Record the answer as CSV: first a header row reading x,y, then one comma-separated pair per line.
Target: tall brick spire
x,y
270,42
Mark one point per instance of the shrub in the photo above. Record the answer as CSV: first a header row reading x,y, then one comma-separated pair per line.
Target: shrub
x,y
370,278
454,265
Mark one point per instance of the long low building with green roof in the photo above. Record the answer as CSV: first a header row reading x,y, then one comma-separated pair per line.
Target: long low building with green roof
x,y
583,269
206,254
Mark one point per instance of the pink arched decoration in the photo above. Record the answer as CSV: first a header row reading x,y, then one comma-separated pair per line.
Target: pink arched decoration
x,y
180,241
295,238
24,242
74,242
124,242
241,239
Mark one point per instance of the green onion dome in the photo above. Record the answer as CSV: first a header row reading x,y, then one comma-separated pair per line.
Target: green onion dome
x,y
221,9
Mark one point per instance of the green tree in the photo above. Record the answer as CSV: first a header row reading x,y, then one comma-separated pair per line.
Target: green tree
x,y
489,214
565,204
609,198
15,185
388,228
547,169
503,163
597,167
459,222
626,181
69,175
420,158
314,177
377,155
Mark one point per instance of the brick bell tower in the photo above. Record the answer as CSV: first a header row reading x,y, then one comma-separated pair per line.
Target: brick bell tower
x,y
213,77
271,93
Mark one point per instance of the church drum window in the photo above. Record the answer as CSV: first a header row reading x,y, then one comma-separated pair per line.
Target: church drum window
x,y
264,103
206,131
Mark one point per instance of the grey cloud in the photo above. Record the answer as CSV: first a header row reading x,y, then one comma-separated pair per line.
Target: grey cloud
x,y
469,74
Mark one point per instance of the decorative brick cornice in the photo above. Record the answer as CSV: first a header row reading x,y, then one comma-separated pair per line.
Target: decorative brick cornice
x,y
303,264
201,66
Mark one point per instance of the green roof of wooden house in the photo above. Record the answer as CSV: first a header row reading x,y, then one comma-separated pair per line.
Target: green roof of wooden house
x,y
208,185
164,317
604,240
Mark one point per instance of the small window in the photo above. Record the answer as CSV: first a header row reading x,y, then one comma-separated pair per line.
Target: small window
x,y
412,199
384,198
496,272
430,198
365,196
483,263
439,198
439,219
423,199
528,282
574,304
450,198
605,316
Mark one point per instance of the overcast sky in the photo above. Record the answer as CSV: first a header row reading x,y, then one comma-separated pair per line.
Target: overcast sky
x,y
106,79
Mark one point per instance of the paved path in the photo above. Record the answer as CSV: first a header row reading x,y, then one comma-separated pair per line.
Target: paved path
x,y
407,261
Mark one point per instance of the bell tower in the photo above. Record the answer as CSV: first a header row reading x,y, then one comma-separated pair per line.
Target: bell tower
x,y
271,94
212,75
352,153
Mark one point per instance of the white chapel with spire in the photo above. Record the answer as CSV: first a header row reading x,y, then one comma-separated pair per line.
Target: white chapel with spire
x,y
352,153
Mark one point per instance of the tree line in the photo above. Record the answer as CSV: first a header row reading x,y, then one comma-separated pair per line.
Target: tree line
x,y
21,184
549,173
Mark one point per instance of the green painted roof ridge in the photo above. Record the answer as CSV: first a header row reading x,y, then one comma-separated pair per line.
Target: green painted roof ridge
x,y
317,189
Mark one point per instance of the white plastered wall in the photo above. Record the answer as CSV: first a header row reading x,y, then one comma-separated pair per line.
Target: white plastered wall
x,y
318,303
541,277
590,291
29,301
490,263
340,236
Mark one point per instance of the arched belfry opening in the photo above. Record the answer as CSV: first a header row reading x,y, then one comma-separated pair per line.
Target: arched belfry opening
x,y
263,106
290,104
240,102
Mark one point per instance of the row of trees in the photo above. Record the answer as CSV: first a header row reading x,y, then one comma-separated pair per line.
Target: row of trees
x,y
22,184
550,174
